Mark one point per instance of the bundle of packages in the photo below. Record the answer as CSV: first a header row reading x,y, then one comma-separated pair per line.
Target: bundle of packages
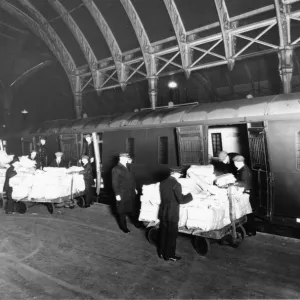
x,y
74,169
53,183
150,201
203,176
213,214
22,182
4,158
225,179
27,163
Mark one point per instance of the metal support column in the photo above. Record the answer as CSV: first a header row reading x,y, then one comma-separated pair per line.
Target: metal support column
x,y
152,82
77,91
285,53
286,66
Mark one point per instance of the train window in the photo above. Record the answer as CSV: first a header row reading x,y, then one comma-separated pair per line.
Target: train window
x,y
298,150
216,139
130,146
163,150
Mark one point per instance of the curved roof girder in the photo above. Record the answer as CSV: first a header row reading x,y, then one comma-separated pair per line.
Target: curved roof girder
x,y
68,66
181,35
226,26
110,39
143,39
50,32
81,40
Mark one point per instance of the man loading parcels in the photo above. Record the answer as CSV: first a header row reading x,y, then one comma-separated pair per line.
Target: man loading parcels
x,y
171,197
244,180
226,162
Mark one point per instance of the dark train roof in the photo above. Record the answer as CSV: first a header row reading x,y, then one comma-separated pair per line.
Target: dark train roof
x,y
234,111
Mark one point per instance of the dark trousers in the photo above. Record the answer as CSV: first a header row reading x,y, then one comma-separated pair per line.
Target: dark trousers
x,y
122,220
250,226
88,195
168,236
10,202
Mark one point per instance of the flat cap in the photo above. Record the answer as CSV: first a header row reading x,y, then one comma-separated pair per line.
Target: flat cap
x,y
84,157
222,155
124,155
175,170
87,135
42,137
59,154
239,158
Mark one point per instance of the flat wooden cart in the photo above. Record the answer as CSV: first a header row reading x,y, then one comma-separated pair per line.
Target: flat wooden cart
x,y
67,201
232,234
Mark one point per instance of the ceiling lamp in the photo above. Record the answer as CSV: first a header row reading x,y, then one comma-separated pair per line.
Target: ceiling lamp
x,y
172,85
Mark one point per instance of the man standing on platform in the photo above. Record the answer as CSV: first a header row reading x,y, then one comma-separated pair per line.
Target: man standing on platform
x,y
124,187
88,180
171,197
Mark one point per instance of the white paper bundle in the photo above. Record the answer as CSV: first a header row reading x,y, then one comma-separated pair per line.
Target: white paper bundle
x,y
201,170
225,179
25,162
4,158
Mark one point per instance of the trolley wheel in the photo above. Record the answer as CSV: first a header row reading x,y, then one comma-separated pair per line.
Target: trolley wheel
x,y
240,236
152,236
21,207
202,245
51,208
81,201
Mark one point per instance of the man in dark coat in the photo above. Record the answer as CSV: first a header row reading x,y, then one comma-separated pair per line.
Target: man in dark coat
x,y
226,164
244,180
171,198
124,187
88,180
10,172
58,161
42,154
88,149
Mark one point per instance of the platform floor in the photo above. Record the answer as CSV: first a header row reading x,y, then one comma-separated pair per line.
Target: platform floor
x,y
81,254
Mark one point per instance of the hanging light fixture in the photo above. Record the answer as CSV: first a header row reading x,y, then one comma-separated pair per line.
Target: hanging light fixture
x,y
24,113
172,85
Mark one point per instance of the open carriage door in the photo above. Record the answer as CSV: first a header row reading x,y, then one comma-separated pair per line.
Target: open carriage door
x,y
260,168
69,145
192,145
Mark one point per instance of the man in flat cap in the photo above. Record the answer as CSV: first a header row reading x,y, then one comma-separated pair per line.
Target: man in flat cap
x,y
226,162
124,187
42,153
88,148
58,161
244,180
171,197
88,180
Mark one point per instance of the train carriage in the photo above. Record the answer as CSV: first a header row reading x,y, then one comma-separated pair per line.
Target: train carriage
x,y
265,130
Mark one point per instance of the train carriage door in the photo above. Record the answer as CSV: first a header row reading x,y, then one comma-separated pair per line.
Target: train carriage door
x,y
192,145
260,167
27,146
69,145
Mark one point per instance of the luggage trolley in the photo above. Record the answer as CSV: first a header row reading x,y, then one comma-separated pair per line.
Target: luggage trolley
x,y
233,233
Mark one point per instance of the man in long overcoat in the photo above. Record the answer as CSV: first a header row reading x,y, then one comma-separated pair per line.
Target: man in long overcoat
x,y
10,172
244,180
124,187
88,180
171,198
